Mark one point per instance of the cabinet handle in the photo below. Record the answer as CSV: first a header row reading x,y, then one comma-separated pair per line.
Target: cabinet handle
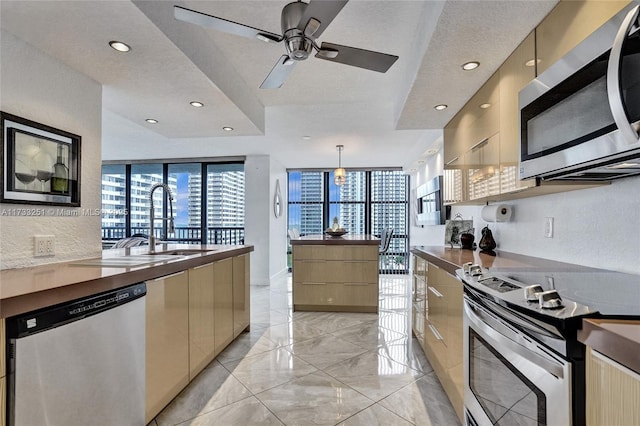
x,y
169,276
435,292
435,332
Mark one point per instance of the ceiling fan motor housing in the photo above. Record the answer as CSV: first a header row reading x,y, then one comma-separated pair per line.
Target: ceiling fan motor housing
x,y
298,45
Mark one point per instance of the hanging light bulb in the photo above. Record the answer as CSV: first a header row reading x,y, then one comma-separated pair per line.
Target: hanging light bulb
x,y
339,174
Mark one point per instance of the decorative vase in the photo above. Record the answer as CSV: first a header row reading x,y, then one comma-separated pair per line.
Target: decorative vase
x,y
487,243
466,240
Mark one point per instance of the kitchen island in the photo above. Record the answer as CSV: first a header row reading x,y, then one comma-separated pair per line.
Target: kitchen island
x,y
337,274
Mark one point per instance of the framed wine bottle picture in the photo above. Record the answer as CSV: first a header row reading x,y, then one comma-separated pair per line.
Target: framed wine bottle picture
x,y
41,164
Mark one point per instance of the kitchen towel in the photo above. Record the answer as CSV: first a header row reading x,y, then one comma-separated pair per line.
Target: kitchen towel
x,y
496,213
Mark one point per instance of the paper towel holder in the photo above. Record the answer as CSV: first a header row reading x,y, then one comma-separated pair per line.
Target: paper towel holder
x,y
496,213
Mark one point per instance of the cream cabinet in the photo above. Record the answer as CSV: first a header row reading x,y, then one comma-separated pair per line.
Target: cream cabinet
x,y
223,303
442,341
167,340
201,318
613,392
419,299
478,120
335,278
241,299
515,73
570,22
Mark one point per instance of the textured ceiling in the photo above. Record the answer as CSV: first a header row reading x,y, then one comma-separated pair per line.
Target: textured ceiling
x,y
173,62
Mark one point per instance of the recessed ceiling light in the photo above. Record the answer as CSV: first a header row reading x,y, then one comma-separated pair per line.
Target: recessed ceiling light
x,y
119,46
306,138
485,106
431,151
413,170
470,65
440,107
531,62
151,121
196,104
420,161
227,129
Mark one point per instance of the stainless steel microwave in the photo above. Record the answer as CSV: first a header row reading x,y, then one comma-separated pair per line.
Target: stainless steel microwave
x,y
580,118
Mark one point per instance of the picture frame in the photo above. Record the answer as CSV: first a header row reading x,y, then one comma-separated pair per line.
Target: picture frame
x,y
41,164
456,227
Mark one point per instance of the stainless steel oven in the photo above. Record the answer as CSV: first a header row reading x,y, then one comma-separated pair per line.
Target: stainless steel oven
x,y
580,118
523,364
510,379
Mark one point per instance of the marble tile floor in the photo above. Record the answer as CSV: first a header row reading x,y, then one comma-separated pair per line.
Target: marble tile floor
x,y
317,368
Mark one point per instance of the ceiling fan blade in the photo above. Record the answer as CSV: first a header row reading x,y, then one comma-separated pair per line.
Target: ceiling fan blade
x,y
209,21
279,73
323,11
374,61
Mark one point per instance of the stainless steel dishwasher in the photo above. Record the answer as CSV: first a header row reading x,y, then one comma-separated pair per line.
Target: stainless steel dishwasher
x,y
79,363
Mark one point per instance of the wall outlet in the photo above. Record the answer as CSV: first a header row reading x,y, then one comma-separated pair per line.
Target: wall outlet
x,y
548,227
45,245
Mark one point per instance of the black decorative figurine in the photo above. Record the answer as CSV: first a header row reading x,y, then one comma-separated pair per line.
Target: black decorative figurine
x,y
487,243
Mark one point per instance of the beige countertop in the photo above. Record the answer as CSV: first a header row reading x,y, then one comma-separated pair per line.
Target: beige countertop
x,y
617,339
26,289
328,240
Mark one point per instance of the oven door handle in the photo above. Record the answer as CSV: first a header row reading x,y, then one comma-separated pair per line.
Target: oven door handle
x,y
614,91
489,326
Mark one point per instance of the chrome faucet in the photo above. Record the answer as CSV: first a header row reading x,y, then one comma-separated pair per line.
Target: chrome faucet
x,y
171,230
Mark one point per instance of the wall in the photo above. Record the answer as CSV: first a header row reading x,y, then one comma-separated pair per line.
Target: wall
x,y
598,227
278,226
257,215
37,87
432,235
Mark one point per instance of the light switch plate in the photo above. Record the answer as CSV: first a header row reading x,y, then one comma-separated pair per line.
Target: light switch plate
x,y
44,245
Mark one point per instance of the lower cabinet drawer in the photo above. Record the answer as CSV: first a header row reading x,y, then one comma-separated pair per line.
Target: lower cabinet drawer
x,y
435,349
352,294
309,293
333,271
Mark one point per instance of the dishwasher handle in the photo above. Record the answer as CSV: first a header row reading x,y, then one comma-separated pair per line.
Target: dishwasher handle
x,y
53,316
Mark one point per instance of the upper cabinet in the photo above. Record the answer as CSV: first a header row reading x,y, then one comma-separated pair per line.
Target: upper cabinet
x,y
568,24
482,141
515,73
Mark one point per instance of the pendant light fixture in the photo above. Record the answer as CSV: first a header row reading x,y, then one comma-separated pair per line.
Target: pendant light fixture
x,y
339,174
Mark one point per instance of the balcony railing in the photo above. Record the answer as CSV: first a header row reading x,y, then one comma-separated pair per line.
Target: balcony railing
x,y
231,235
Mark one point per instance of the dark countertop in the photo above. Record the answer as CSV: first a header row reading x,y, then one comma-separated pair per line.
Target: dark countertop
x,y
617,339
451,259
26,289
328,240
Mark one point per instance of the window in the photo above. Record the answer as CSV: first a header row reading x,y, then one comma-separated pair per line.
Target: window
x,y
212,213
368,202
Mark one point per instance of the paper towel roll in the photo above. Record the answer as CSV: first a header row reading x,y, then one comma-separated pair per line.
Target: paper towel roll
x,y
496,213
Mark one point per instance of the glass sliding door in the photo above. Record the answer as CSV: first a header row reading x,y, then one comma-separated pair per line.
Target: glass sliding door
x,y
185,181
224,203
347,202
143,177
390,209
114,202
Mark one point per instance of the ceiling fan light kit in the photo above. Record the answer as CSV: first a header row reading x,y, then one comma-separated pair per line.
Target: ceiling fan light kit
x,y
302,24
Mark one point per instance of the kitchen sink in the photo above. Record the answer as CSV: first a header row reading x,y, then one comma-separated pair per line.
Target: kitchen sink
x,y
181,252
124,261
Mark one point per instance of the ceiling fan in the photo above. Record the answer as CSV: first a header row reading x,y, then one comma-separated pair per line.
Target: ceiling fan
x,y
302,24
